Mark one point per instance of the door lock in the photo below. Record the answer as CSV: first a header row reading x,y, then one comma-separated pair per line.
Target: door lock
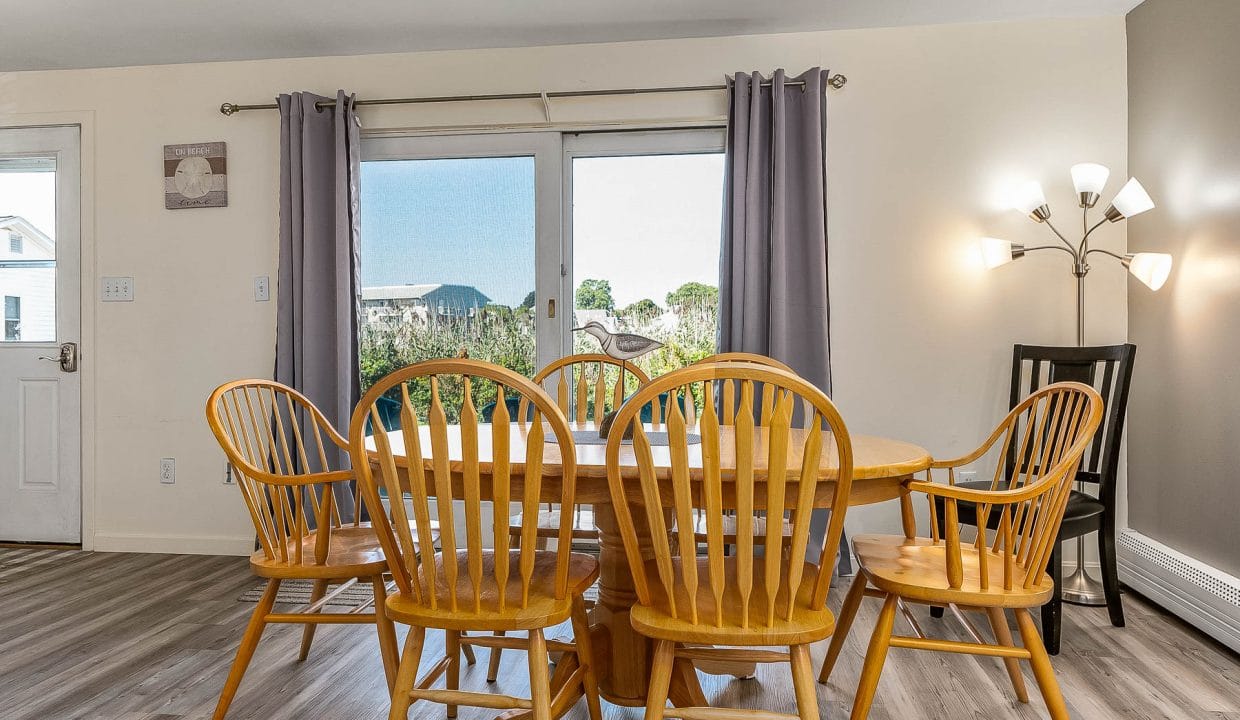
x,y
68,357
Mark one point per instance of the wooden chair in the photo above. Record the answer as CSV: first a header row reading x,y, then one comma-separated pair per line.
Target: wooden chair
x,y
999,570
1107,369
469,585
731,604
286,458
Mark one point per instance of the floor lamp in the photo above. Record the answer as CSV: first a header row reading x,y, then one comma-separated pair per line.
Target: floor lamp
x,y
1151,269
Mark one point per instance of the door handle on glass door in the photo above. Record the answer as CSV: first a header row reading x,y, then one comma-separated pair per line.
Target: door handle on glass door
x,y
68,357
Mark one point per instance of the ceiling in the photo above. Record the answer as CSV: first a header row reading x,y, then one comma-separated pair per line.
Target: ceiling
x,y
51,34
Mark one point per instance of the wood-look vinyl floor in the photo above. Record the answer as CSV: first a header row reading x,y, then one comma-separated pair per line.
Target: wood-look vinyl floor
x,y
99,636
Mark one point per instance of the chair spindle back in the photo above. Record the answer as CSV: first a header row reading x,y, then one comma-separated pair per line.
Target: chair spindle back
x,y
281,448
1047,433
425,460
779,469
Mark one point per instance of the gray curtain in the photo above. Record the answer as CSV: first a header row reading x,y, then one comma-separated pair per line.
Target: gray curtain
x,y
773,259
318,305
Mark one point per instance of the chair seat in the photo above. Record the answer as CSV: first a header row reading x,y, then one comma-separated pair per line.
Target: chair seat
x,y
656,620
917,569
542,609
352,552
1083,514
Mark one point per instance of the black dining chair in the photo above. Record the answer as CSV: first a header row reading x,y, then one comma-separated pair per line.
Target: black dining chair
x,y
1108,369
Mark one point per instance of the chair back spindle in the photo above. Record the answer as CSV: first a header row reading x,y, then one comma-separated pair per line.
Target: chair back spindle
x,y
279,446
433,466
782,467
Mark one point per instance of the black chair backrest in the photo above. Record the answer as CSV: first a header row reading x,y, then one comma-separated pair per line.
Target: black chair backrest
x,y
1106,368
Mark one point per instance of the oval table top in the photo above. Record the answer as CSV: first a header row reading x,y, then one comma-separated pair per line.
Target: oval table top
x,y
875,459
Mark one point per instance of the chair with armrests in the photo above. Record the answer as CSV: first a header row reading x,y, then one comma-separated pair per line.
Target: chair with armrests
x,y
999,570
288,463
738,605
1108,369
473,583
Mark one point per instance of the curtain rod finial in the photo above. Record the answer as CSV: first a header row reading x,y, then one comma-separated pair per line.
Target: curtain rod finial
x,y
837,81
228,108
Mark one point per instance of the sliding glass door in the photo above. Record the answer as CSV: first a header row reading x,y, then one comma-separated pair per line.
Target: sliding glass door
x,y
642,232
499,244
459,250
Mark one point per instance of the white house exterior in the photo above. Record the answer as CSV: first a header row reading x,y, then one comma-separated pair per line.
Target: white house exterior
x,y
27,281
403,303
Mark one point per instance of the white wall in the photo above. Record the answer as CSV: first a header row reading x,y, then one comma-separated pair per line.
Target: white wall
x,y
932,126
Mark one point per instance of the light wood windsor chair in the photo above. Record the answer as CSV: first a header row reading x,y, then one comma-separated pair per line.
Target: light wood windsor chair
x,y
470,585
751,599
286,457
1001,569
582,399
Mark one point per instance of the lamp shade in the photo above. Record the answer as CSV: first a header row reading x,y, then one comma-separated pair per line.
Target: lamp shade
x,y
1132,199
996,252
1150,268
1029,197
1089,177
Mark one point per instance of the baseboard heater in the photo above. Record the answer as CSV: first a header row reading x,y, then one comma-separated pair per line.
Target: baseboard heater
x,y
1199,594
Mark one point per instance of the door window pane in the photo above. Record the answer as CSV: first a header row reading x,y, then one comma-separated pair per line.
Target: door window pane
x,y
447,264
28,258
646,252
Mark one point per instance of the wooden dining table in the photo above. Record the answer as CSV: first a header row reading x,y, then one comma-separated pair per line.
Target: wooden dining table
x,y
880,467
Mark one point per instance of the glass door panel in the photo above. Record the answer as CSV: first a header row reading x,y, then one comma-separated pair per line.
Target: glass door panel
x,y
28,248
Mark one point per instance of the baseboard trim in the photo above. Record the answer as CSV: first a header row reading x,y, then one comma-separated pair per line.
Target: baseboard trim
x,y
1199,594
173,544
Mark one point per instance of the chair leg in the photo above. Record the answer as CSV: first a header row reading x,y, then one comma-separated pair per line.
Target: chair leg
x,y
803,682
1003,635
452,679
1041,662
468,651
585,657
493,661
1110,573
874,659
388,648
249,641
307,631
407,674
660,678
848,612
1052,611
540,682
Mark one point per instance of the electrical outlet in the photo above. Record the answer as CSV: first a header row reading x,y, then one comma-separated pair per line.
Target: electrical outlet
x,y
966,476
116,289
167,470
228,474
262,288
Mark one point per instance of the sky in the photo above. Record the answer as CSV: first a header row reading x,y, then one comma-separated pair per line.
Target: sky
x,y
31,195
647,224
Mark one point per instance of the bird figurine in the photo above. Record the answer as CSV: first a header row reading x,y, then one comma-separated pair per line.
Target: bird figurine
x,y
621,346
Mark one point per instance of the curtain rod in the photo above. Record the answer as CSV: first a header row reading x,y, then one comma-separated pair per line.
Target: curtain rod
x,y
836,81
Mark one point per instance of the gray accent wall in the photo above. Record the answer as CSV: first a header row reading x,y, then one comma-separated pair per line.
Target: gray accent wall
x,y
1184,146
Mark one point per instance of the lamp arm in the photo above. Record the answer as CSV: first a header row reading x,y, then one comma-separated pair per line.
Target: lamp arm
x,y
1089,232
1105,252
1052,247
1061,237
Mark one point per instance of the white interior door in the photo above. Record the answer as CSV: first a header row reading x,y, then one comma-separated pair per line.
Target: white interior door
x,y
40,388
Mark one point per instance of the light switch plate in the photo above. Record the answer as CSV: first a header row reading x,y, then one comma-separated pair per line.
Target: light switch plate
x,y
116,289
262,288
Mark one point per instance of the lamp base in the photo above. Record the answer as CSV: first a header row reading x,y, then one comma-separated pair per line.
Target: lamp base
x,y
1081,589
